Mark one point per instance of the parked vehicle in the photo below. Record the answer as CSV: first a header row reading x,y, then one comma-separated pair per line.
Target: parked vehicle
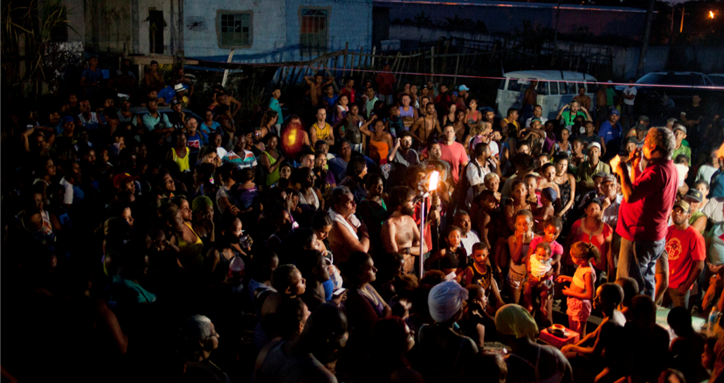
x,y
552,94
655,100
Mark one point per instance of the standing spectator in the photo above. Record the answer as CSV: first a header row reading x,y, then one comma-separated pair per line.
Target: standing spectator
x,y
648,199
589,169
153,79
276,106
385,82
629,95
316,84
582,99
686,252
717,179
91,78
611,132
680,134
468,237
453,153
567,117
692,114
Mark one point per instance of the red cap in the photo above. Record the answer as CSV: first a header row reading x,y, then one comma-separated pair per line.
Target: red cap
x,y
123,178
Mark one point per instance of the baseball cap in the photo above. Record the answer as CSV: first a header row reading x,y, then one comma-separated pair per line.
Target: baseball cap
x,y
122,179
640,127
616,112
608,178
682,204
644,118
680,127
173,102
695,195
123,96
631,140
594,144
463,87
550,194
454,93
67,119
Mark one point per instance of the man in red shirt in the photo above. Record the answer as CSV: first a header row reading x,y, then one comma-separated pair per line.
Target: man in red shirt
x,y
686,250
452,152
385,81
645,209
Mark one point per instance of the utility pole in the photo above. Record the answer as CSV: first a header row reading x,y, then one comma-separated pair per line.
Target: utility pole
x,y
647,36
555,36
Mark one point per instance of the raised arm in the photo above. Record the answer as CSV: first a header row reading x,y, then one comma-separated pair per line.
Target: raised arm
x,y
365,127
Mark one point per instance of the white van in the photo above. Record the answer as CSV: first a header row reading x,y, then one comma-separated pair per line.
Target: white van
x,y
551,95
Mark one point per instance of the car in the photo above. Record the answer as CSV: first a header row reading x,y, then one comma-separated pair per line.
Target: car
x,y
555,89
657,100
717,78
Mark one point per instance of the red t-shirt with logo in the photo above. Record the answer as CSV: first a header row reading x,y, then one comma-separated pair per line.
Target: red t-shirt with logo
x,y
684,248
644,217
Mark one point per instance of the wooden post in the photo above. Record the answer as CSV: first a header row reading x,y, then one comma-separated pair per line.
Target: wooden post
x,y
444,61
226,71
432,64
344,60
457,64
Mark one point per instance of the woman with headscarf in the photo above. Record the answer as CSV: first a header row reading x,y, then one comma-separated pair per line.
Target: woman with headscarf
x,y
444,355
529,361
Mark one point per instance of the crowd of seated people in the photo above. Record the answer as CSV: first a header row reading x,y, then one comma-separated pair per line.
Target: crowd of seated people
x,y
164,245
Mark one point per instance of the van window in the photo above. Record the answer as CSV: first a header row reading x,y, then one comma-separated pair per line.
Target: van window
x,y
572,88
543,88
502,84
591,87
516,85
562,88
554,88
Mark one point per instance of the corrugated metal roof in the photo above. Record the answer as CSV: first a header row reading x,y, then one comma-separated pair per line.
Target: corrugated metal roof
x,y
511,4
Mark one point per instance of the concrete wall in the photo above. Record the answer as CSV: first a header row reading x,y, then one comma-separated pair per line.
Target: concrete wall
x,y
268,31
170,10
275,28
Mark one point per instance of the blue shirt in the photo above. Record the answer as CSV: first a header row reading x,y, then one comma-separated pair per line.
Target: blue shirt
x,y
92,77
609,133
215,128
167,94
274,105
717,185
151,123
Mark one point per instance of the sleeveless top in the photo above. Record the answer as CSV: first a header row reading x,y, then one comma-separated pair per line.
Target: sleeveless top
x,y
379,151
191,254
307,205
322,133
578,276
182,162
409,113
376,301
274,176
694,216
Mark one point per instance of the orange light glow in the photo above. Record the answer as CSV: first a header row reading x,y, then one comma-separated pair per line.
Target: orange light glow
x,y
711,14
434,176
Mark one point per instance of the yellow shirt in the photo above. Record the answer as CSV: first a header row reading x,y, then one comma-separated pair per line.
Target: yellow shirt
x,y
323,133
183,163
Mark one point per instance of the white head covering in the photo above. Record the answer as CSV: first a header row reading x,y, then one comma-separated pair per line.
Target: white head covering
x,y
445,300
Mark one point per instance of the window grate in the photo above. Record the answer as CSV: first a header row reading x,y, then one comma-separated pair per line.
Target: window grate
x,y
313,31
235,30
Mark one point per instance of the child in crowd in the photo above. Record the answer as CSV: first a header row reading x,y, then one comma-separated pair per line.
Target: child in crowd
x,y
548,197
578,156
481,273
532,182
452,259
540,278
580,293
519,243
477,323
630,290
492,183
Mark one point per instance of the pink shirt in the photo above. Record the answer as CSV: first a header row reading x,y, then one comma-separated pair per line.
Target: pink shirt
x,y
456,156
645,216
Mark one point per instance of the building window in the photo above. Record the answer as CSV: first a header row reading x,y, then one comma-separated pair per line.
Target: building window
x,y
234,29
313,31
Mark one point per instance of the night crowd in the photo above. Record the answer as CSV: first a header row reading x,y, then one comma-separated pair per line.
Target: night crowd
x,y
148,236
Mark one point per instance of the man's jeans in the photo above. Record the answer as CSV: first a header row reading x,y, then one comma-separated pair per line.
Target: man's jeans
x,y
638,261
677,300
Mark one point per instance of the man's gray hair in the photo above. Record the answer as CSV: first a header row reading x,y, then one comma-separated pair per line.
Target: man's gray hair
x,y
671,122
194,331
336,195
664,140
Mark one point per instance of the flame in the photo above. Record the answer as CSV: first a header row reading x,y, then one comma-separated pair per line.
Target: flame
x,y
434,177
711,14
